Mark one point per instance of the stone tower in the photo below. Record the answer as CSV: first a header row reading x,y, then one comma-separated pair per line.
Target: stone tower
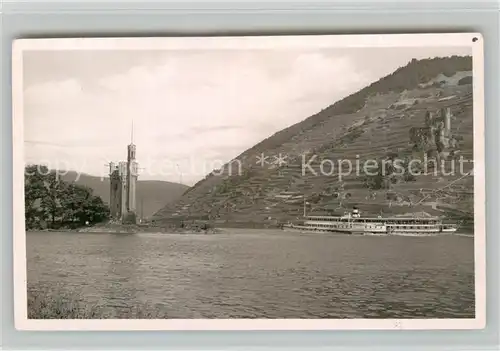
x,y
123,184
446,127
118,189
131,178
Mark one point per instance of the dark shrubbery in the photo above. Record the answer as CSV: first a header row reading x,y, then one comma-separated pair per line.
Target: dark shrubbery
x,y
465,80
51,202
389,171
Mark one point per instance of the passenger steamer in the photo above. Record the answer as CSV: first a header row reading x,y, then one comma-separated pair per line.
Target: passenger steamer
x,y
353,223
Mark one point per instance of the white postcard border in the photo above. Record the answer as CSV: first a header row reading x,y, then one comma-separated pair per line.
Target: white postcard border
x,y
250,42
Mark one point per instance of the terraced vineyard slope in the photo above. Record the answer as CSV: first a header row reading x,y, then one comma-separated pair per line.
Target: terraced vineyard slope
x,y
422,111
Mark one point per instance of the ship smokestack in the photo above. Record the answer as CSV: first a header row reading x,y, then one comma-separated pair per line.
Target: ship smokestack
x,y
355,212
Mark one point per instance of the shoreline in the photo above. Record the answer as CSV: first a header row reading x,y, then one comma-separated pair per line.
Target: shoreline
x,y
235,231
131,229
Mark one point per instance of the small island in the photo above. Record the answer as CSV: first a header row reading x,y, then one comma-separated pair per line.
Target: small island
x,y
120,228
52,204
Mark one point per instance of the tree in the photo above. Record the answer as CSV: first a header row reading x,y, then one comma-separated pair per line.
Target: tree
x,y
81,206
34,192
98,210
49,199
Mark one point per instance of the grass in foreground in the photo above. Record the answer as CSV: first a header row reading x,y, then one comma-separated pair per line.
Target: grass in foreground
x,y
55,306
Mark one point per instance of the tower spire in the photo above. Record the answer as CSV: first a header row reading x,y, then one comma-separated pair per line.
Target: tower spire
x,y
132,133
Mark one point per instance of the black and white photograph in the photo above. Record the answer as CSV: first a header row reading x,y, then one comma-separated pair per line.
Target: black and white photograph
x,y
249,182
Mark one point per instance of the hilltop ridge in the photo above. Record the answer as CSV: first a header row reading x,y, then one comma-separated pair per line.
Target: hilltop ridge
x,y
395,117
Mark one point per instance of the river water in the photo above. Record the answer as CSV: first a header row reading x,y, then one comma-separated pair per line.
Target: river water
x,y
258,274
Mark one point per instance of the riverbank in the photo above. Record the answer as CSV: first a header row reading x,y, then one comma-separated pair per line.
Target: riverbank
x,y
142,228
117,228
57,305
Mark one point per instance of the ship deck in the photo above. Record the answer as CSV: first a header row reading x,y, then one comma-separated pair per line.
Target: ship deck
x,y
387,220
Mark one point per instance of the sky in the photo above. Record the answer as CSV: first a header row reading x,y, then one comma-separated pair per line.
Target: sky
x,y
191,110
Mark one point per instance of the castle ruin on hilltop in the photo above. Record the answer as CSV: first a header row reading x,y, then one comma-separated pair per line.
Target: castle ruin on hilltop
x,y
436,136
123,181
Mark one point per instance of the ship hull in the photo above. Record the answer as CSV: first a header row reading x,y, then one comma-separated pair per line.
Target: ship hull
x,y
354,223
307,229
360,230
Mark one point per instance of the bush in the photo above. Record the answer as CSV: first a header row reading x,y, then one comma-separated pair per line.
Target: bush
x,y
465,80
64,306
51,202
42,306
